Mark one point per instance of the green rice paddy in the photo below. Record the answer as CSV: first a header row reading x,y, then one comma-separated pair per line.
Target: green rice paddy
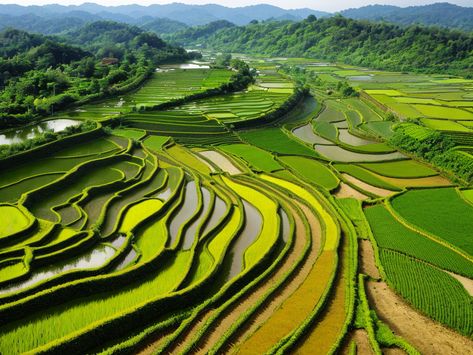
x,y
176,232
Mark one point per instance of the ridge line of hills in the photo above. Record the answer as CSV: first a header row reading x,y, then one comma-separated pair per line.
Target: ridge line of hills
x,y
51,19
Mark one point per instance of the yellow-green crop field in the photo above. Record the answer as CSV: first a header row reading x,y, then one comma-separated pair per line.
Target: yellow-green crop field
x,y
245,222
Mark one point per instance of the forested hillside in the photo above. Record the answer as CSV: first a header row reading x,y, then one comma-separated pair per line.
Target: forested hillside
x,y
439,14
39,74
376,45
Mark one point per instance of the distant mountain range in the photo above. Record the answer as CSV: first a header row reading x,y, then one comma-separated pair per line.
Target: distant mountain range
x,y
439,14
188,14
171,18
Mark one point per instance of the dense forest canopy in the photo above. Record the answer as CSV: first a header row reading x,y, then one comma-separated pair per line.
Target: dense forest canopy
x,y
377,45
39,73
439,14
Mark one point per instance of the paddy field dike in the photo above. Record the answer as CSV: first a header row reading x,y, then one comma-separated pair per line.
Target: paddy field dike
x,y
266,220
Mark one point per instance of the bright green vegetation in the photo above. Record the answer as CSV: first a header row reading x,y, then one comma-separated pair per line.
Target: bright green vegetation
x,y
183,126
400,169
168,85
364,175
138,213
155,143
320,38
444,125
198,204
444,112
255,157
12,220
276,140
46,74
390,234
468,195
433,210
270,230
354,210
431,290
312,171
129,133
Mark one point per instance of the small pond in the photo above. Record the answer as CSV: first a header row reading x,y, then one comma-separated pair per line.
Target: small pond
x,y
21,134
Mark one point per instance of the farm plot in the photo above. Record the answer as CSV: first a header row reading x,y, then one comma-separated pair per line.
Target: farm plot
x,y
174,232
432,210
163,86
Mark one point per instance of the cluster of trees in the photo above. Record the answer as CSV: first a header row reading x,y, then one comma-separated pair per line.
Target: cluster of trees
x,y
44,137
436,149
377,45
40,74
198,34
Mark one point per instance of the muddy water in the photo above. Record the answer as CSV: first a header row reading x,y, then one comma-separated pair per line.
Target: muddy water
x,y
188,208
127,261
31,131
92,259
285,226
336,153
250,232
191,232
348,138
306,134
218,212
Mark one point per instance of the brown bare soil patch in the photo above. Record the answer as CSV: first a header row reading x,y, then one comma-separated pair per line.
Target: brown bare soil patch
x,y
367,259
423,333
345,190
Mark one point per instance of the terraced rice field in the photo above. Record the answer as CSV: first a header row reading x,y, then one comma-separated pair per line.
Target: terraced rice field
x,y
175,232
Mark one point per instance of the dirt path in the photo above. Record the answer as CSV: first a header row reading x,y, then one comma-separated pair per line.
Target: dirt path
x,y
367,259
465,281
264,314
422,332
346,190
363,346
393,351
224,323
221,161
367,187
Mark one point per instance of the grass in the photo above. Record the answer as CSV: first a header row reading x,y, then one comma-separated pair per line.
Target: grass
x,y
400,169
387,92
129,133
12,220
12,271
326,130
13,192
58,321
353,209
270,231
275,140
444,125
436,211
444,112
468,195
364,175
156,143
390,234
256,158
312,171
331,231
185,157
430,290
139,212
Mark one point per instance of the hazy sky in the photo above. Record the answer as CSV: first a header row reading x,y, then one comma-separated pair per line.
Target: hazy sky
x,y
331,5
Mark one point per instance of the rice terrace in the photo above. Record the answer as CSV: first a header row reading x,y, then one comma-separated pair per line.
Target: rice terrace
x,y
281,199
